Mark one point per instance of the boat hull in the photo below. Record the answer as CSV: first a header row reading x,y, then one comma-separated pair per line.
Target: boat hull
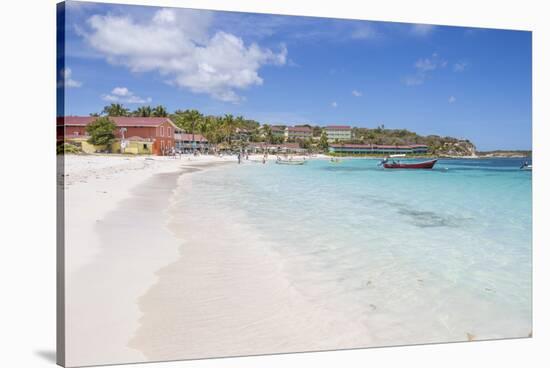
x,y
417,165
282,162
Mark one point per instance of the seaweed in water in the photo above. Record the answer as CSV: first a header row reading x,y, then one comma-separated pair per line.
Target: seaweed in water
x,y
431,219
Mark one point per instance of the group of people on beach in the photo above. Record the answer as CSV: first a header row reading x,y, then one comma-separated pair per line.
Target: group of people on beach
x,y
244,156
240,156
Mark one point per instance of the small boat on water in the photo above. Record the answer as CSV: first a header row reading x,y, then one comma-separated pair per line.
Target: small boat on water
x,y
408,165
526,166
290,162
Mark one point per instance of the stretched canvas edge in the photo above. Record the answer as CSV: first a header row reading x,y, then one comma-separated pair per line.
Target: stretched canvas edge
x,y
60,195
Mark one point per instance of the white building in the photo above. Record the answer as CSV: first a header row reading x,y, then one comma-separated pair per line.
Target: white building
x,y
338,132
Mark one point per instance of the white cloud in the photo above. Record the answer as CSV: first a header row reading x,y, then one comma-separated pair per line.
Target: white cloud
x,y
452,99
460,66
425,65
176,43
431,63
422,29
423,68
66,80
124,95
334,104
121,91
356,93
364,32
413,80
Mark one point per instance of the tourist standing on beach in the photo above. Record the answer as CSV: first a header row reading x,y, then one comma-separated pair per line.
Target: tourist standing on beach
x,y
239,157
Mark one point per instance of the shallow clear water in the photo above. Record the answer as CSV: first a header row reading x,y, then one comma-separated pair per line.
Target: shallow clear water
x,y
413,256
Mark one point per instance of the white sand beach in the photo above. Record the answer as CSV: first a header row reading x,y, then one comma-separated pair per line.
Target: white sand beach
x,y
115,240
147,280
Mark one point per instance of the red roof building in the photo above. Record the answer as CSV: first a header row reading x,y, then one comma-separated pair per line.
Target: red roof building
x,y
338,127
378,149
303,132
158,130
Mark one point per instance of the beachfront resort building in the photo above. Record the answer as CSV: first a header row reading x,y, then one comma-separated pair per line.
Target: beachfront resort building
x,y
186,142
338,133
133,134
278,131
242,134
301,132
358,149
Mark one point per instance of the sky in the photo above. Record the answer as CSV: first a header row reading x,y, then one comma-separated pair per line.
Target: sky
x,y
469,83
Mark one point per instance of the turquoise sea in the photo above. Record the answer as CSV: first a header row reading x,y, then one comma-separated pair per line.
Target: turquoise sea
x,y
413,256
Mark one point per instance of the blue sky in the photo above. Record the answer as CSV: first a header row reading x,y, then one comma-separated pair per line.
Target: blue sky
x,y
462,82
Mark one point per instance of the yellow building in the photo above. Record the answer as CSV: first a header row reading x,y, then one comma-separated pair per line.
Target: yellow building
x,y
82,143
134,145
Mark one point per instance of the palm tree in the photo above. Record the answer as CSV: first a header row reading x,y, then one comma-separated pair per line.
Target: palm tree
x,y
323,141
268,133
204,125
160,111
240,124
239,120
188,120
143,111
194,117
214,129
115,110
229,127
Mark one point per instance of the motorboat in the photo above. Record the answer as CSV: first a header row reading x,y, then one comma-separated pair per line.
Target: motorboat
x,y
408,165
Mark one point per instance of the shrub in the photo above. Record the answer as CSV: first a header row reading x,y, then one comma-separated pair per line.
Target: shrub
x,y
101,131
67,148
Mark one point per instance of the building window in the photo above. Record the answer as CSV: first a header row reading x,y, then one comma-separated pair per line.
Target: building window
x,y
169,132
162,131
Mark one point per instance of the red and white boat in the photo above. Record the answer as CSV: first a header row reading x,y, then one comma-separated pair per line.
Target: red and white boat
x,y
411,165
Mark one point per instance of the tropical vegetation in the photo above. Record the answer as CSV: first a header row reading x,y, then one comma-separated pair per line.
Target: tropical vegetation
x,y
234,131
116,109
67,148
101,131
